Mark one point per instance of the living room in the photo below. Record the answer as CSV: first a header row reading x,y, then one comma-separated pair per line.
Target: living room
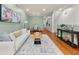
x,y
22,26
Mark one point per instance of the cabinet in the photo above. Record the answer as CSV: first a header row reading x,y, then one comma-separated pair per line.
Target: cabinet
x,y
69,36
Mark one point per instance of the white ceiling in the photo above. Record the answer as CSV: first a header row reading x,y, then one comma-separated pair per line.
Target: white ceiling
x,y
37,9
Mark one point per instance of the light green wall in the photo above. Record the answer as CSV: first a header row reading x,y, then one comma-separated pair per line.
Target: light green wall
x,y
9,27
35,20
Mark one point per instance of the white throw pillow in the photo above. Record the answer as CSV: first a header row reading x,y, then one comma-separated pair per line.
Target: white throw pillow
x,y
12,37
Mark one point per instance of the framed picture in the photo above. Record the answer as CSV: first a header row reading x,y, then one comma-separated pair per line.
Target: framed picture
x,y
8,15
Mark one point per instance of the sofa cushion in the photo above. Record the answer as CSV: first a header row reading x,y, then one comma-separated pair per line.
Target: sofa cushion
x,y
17,34
5,37
23,31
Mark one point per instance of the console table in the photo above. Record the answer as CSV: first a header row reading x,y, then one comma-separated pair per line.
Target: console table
x,y
74,37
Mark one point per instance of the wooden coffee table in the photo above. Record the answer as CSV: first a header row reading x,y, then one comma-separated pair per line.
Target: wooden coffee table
x,y
37,37
37,41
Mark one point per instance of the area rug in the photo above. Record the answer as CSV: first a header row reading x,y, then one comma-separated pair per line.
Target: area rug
x,y
47,47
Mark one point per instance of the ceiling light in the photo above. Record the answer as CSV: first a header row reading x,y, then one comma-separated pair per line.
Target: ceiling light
x,y
27,10
44,9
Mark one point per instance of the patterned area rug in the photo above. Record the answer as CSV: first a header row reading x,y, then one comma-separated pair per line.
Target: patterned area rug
x,y
47,47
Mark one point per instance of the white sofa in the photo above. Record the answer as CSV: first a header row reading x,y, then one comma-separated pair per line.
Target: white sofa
x,y
17,40
7,48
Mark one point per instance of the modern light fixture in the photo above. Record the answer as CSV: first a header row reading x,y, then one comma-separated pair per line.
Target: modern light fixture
x,y
44,9
27,10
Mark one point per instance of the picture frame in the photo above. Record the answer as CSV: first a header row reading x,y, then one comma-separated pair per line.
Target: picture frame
x,y
8,15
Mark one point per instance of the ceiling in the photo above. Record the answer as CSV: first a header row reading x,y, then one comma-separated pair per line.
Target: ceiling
x,y
41,9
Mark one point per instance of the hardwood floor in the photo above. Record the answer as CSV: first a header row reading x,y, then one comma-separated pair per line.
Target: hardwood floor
x,y
65,48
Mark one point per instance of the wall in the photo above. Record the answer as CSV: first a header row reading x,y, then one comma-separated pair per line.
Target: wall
x,y
69,16
49,23
53,23
56,19
50,20
35,20
10,27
